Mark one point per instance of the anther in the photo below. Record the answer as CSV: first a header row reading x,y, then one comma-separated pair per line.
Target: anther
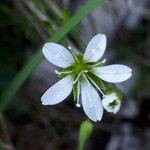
x,y
85,71
76,79
103,61
69,47
78,105
57,72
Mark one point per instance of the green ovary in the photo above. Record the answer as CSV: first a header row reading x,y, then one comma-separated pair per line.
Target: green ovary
x,y
113,104
79,66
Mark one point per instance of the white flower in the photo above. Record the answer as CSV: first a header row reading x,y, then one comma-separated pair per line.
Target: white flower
x,y
80,73
111,103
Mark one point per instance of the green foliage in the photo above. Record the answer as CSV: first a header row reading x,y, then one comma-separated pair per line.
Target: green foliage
x,y
85,131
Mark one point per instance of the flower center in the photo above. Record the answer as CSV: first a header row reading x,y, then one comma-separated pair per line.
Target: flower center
x,y
79,67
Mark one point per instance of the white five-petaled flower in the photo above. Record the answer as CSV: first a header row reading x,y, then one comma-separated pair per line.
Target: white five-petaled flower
x,y
79,75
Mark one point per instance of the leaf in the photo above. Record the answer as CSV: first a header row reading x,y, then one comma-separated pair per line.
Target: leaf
x,y
85,131
24,73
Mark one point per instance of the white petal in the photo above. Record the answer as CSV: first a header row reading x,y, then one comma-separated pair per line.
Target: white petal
x,y
113,73
58,55
95,48
109,99
91,102
58,92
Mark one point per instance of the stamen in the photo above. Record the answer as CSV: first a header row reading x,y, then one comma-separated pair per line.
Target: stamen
x,y
96,85
57,72
77,78
62,72
78,88
65,72
78,105
99,63
78,95
73,53
85,78
85,71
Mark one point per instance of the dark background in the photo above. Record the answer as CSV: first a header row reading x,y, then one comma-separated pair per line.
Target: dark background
x,y
25,26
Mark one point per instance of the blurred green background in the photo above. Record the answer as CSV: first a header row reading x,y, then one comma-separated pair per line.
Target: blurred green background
x,y
25,25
